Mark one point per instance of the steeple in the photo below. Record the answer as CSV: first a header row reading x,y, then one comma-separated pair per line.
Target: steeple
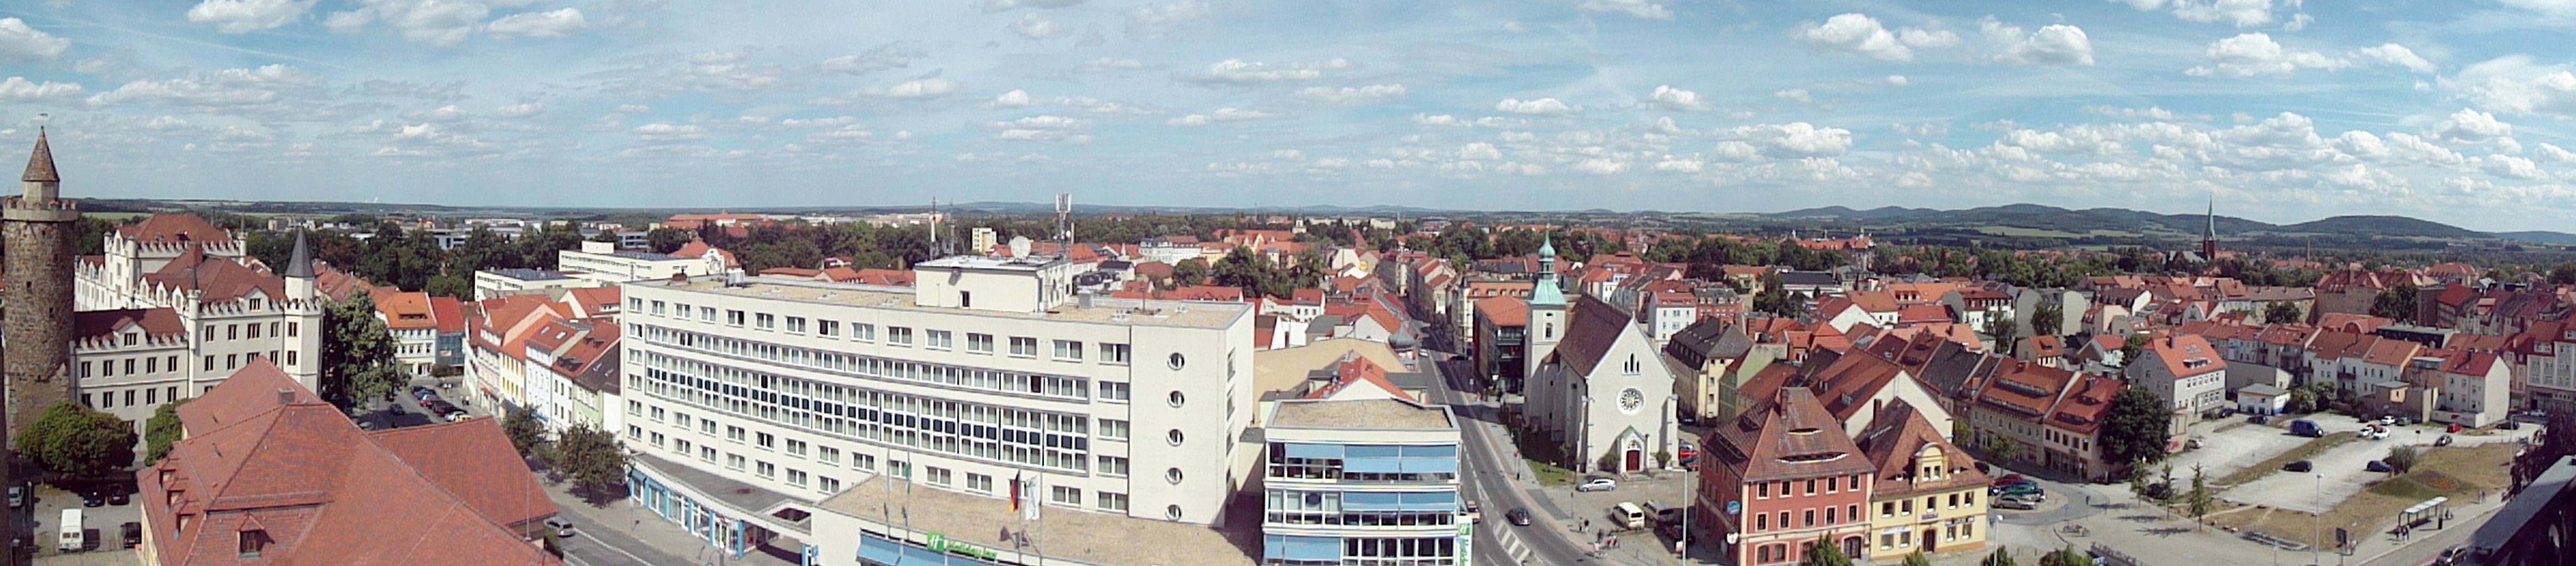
x,y
300,263
1544,292
2213,217
40,184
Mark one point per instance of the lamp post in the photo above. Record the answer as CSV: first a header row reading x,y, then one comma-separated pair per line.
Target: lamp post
x,y
2317,528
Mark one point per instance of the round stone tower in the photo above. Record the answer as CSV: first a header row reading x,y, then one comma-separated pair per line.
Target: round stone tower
x,y
37,225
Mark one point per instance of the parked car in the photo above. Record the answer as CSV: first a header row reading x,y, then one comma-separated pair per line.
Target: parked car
x,y
2445,440
2307,428
2509,425
1598,484
2388,419
2298,466
2378,466
1518,516
2455,555
132,533
2019,489
561,526
423,392
2016,502
117,498
2193,444
93,498
2010,478
2455,427
17,496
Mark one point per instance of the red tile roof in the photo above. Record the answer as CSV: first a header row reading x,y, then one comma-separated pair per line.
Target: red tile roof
x,y
463,457
1505,311
1895,437
171,227
216,279
699,248
2180,352
154,322
402,310
1787,435
450,313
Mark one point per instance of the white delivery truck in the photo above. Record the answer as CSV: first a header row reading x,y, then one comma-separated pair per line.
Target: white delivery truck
x,y
69,539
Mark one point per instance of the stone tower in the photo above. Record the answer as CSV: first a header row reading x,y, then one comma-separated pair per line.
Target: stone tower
x,y
1546,316
37,225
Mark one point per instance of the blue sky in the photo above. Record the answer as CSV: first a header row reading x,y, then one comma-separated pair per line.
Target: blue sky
x,y
2282,110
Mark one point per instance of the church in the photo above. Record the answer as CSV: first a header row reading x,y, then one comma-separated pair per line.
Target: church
x,y
1599,387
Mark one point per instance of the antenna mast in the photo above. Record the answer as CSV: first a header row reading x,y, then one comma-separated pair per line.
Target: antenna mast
x,y
1064,217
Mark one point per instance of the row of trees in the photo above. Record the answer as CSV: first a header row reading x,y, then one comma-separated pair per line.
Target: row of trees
x,y
588,456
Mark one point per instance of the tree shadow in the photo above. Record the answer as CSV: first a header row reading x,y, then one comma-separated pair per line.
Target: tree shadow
x,y
600,496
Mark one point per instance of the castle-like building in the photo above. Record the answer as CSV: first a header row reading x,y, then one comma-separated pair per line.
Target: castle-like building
x,y
37,227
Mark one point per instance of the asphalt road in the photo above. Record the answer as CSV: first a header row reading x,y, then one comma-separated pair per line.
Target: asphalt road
x,y
1488,481
591,546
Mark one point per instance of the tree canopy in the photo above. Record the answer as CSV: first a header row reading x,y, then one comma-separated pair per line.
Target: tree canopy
x,y
2135,427
357,353
76,441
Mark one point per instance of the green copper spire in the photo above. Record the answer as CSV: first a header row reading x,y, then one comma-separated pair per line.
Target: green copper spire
x,y
1545,292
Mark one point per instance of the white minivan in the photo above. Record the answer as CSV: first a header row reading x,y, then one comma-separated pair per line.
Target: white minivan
x,y
69,539
1629,515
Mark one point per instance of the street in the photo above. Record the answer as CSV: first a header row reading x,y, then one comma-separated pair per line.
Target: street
x,y
1489,479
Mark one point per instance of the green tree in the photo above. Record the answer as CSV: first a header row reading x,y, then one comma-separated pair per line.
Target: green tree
x,y
2555,440
1192,271
2131,347
593,459
606,237
2396,304
2564,274
1999,558
2135,427
162,430
356,350
2282,313
2200,498
2001,329
1824,552
2004,450
2065,557
666,239
76,441
1917,559
2402,459
2047,318
524,431
1251,272
460,286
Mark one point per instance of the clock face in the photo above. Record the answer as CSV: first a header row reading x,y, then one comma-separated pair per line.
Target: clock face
x,y
1630,400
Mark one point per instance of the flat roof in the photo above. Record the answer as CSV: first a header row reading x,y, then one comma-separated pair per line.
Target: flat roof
x,y
1030,263
1187,314
647,256
1097,538
1361,413
737,494
529,274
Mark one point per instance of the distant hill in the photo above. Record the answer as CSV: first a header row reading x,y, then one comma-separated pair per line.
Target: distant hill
x,y
2539,237
2385,226
2088,221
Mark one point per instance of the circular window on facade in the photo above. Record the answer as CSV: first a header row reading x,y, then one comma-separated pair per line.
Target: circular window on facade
x,y
1172,512
1173,474
1177,399
1631,400
1177,361
1175,437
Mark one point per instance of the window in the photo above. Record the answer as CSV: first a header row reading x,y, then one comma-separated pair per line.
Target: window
x,y
232,332
939,475
290,330
708,454
827,485
733,433
828,455
733,317
1068,350
1113,429
210,362
936,339
707,314
633,431
232,361
290,356
765,440
658,308
979,343
1113,391
253,541
899,335
979,483
657,439
795,477
1113,466
681,445
1172,475
254,332
1024,346
863,332
1176,399
796,325
1762,522
1113,353
765,321
1113,502
1811,518
733,461
1066,496
863,461
827,328
796,448
767,470
657,414
900,470
1762,490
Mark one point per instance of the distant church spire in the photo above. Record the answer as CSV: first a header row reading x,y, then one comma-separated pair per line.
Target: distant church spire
x,y
2209,242
300,263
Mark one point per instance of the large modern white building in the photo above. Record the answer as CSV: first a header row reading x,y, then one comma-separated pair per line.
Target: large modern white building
x,y
604,264
1362,481
989,371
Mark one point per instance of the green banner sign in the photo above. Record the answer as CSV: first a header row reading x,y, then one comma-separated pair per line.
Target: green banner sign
x,y
940,543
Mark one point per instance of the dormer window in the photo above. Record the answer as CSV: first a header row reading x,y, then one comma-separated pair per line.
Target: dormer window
x,y
253,542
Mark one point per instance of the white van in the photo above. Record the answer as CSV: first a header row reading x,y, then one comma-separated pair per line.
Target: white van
x,y
1629,515
70,537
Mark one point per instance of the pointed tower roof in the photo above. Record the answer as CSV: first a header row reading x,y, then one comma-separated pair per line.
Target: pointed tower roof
x,y
1544,293
40,163
300,264
1546,245
2213,217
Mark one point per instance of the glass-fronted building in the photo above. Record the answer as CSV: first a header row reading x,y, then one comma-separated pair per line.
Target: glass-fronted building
x,y
1362,482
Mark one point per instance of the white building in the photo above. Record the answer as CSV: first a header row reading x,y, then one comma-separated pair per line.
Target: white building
x,y
1604,393
1367,481
987,370
2476,390
603,264
491,283
175,306
2185,372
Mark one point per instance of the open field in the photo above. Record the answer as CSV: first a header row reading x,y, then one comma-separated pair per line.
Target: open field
x,y
2459,473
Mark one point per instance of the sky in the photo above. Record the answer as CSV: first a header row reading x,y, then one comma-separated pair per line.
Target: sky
x,y
2457,111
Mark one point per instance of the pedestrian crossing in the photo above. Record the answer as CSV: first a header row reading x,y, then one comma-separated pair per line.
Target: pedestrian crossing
x,y
1513,547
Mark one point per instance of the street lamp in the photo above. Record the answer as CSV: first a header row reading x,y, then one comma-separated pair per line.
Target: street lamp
x,y
2317,525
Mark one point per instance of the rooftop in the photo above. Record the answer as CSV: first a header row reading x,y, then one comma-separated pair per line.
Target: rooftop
x,y
1105,310
1030,263
529,274
648,256
1096,538
1367,413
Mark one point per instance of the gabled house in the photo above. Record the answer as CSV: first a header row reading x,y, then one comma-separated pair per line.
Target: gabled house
x,y
1604,393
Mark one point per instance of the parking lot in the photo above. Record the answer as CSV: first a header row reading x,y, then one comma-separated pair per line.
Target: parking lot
x,y
2341,471
2241,445
101,524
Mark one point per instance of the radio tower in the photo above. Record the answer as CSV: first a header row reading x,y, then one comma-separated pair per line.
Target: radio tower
x,y
1064,217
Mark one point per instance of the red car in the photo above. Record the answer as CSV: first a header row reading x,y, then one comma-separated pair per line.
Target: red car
x,y
2008,478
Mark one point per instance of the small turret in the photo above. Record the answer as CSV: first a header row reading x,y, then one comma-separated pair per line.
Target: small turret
x,y
41,183
299,271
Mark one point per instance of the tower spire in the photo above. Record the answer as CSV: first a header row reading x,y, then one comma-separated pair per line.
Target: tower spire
x,y
40,163
300,263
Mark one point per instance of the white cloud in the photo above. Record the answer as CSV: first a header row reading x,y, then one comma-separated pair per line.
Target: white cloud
x,y
1153,21
2553,7
245,16
20,43
2549,153
520,110
1854,34
2252,54
2469,126
894,55
2242,13
1240,72
435,22
2398,55
1536,107
1794,139
2510,166
917,89
1798,95
1014,99
1351,95
1220,115
2513,84
2055,44
1601,166
224,88
555,23
18,90
1648,9
663,132
990,6
1669,98
1108,64
1043,122
1033,26
633,108
1898,80
1479,151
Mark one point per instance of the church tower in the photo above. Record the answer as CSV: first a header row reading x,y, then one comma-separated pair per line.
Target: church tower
x,y
1546,315
2209,242
37,225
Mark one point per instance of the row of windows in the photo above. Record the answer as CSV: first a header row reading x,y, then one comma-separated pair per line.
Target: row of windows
x,y
249,331
107,368
1833,515
1787,488
151,396
979,483
842,363
1930,503
1022,346
974,430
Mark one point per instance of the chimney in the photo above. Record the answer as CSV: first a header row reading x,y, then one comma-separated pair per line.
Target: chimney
x,y
285,395
1082,299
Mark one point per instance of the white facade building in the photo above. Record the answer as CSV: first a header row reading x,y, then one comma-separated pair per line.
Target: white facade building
x,y
1605,393
603,264
2185,372
175,306
987,371
1367,481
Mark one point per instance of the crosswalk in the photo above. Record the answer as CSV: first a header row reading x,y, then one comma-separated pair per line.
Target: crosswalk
x,y
1512,546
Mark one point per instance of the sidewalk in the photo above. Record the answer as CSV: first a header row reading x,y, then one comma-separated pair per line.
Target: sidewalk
x,y
662,541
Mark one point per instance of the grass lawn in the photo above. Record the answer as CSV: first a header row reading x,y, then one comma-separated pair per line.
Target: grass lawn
x,y
116,216
1550,475
2450,471
2303,452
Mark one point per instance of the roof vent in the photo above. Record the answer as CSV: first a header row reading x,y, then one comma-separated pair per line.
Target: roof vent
x,y
285,395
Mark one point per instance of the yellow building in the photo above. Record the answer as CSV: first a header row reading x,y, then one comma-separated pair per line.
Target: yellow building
x,y
1928,494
